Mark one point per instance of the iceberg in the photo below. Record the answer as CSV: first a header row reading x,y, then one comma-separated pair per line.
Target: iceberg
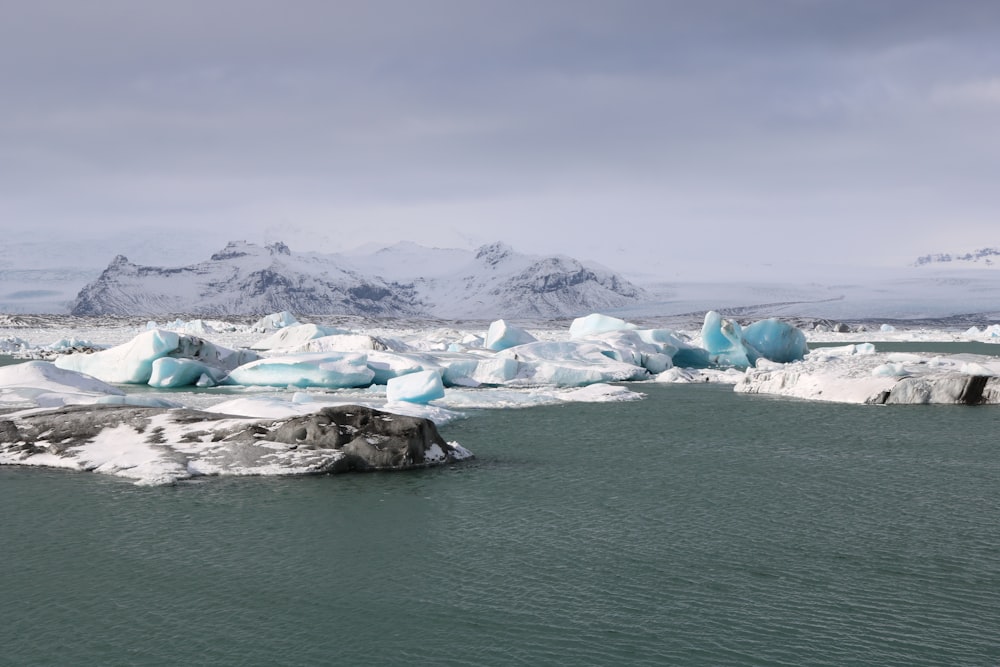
x,y
331,370
388,365
595,323
420,387
170,372
275,321
776,341
295,335
571,364
130,363
342,343
502,335
723,340
43,384
728,344
865,376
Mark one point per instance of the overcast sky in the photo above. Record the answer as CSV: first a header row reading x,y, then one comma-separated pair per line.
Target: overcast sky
x,y
657,132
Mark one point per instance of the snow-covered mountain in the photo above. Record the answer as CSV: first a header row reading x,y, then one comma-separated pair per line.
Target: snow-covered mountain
x,y
984,257
401,280
243,279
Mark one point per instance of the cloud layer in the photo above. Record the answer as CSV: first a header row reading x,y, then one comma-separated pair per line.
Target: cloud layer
x,y
625,131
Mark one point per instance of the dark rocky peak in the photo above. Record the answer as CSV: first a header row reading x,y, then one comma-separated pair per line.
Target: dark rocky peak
x,y
494,254
236,249
278,248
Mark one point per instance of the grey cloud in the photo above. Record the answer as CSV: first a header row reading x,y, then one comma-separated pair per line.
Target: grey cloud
x,y
872,115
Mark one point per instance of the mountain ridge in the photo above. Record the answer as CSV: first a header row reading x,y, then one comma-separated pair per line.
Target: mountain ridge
x,y
987,256
247,279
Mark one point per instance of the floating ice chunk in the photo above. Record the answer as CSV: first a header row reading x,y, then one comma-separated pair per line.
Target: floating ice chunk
x,y
678,375
295,335
194,327
723,339
341,343
387,365
666,340
331,370
130,363
864,348
472,340
891,370
571,364
595,323
275,321
171,372
657,362
13,345
887,328
692,357
475,371
905,358
420,387
43,384
600,393
828,353
64,345
776,341
502,335
973,368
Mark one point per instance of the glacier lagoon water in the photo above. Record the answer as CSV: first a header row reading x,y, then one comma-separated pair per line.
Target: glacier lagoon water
x,y
696,527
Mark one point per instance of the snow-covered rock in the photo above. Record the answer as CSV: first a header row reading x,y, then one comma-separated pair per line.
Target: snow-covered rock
x,y
157,446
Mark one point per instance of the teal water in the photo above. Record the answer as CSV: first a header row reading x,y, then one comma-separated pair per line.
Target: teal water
x,y
697,527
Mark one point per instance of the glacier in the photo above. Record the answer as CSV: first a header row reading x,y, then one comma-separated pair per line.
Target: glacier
x,y
437,372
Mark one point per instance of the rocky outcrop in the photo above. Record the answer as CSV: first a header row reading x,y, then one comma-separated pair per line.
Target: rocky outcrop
x,y
157,445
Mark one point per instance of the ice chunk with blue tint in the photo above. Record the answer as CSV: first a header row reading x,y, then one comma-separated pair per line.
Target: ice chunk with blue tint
x,y
475,371
43,384
595,323
130,363
502,335
331,370
571,364
171,372
723,339
420,387
776,341
388,365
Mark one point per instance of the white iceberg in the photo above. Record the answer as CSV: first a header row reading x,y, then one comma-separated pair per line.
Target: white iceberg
x,y
502,335
420,387
595,323
331,370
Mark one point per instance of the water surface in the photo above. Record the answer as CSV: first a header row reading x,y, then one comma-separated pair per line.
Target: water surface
x,y
696,527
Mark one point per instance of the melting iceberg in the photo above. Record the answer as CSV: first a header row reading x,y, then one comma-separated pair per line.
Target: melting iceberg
x,y
331,370
420,387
